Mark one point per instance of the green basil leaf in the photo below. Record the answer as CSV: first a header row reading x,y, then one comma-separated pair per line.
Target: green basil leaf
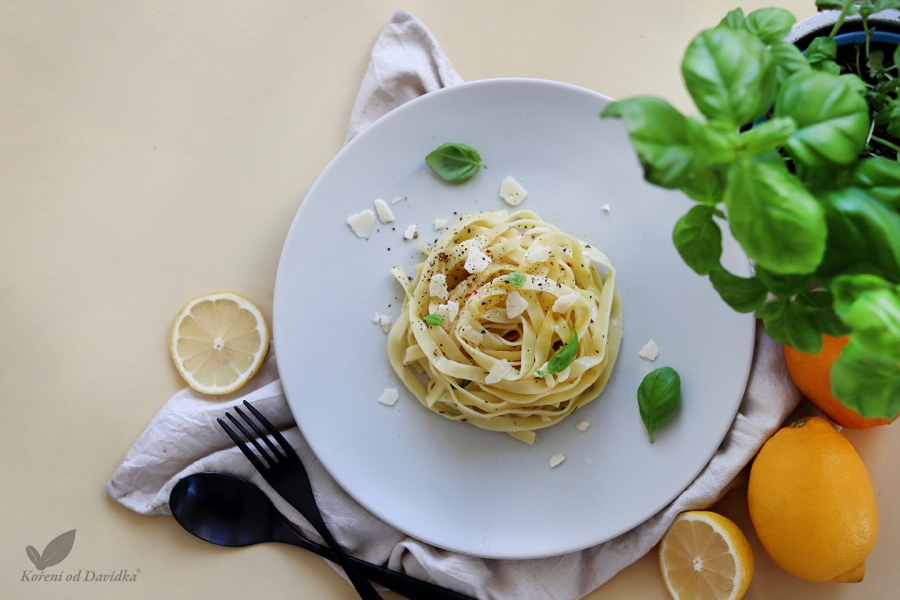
x,y
863,236
562,359
740,293
717,143
829,4
776,220
879,178
434,320
698,239
855,83
455,163
821,306
868,384
791,323
821,49
770,25
658,396
847,288
788,59
734,19
730,75
516,279
827,66
784,285
875,62
893,116
659,134
874,319
832,119
767,136
881,5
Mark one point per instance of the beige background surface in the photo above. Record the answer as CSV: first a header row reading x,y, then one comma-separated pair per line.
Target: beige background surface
x,y
151,152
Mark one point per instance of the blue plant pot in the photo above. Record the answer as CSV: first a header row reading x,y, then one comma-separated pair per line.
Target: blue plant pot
x,y
853,37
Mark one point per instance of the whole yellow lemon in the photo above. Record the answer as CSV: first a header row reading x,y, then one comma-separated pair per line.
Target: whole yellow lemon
x,y
812,503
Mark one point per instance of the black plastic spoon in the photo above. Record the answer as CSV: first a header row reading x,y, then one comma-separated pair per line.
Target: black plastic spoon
x,y
230,511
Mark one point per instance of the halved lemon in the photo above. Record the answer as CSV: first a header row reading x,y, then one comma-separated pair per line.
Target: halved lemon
x,y
219,342
705,556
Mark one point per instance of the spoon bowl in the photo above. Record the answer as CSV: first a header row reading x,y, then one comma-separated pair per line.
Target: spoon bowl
x,y
230,511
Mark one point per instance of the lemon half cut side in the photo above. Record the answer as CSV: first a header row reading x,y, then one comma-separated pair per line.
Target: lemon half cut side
x,y
219,342
705,556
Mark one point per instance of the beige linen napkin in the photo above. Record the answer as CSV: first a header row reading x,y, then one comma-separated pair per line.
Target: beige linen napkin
x,y
184,438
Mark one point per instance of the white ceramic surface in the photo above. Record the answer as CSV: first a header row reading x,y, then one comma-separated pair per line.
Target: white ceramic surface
x,y
450,484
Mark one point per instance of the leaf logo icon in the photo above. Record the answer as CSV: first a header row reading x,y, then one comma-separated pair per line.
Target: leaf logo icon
x,y
57,550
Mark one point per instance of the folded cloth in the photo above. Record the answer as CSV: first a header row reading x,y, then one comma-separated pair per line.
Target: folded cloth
x,y
184,438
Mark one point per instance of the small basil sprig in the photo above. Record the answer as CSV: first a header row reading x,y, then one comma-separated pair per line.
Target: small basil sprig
x,y
455,163
516,279
434,320
658,396
562,359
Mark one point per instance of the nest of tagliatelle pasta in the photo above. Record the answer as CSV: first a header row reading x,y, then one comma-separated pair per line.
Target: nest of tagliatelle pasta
x,y
508,324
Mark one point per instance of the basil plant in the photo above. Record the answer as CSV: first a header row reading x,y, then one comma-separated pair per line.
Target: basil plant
x,y
778,155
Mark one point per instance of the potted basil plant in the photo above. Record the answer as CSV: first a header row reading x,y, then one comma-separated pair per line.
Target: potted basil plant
x,y
782,154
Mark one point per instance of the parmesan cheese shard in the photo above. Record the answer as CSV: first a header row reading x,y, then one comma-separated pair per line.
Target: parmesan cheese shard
x,y
556,459
389,397
437,287
501,369
649,351
564,303
439,224
384,321
605,208
582,425
538,254
448,311
470,334
512,191
476,261
362,223
384,211
515,305
410,232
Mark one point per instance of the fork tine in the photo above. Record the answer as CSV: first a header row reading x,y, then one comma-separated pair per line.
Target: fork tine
x,y
260,434
240,444
251,439
289,450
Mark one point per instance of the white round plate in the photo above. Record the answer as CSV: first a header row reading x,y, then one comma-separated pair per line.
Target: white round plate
x,y
450,484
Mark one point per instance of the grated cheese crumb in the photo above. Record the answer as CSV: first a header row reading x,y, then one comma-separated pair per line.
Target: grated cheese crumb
x,y
389,397
362,223
556,459
439,224
448,311
512,191
605,208
582,425
564,303
515,305
649,351
501,369
470,334
384,321
437,287
477,261
383,211
410,232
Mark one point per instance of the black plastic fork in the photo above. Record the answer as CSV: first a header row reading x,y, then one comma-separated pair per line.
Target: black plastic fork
x,y
286,474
